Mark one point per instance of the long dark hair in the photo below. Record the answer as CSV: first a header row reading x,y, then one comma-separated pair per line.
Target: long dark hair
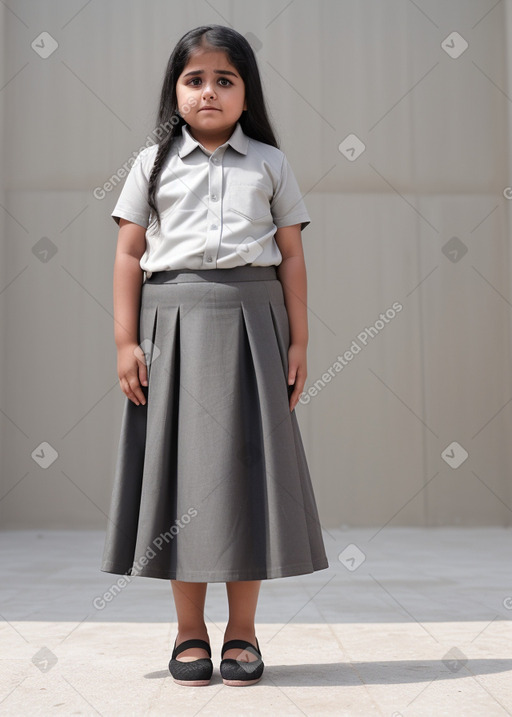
x,y
254,121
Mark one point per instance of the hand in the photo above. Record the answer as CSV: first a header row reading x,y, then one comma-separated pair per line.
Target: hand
x,y
132,372
297,371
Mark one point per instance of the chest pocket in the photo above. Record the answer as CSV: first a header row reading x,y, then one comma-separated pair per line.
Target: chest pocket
x,y
249,200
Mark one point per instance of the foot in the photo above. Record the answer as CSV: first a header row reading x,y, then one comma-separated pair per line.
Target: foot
x,y
237,653
193,653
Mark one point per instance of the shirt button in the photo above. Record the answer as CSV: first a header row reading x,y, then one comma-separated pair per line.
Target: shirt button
x,y
208,258
213,226
216,160
213,197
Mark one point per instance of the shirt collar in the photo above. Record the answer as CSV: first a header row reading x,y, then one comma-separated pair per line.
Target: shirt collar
x,y
238,140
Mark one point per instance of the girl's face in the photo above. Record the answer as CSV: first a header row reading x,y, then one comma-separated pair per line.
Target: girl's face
x,y
209,79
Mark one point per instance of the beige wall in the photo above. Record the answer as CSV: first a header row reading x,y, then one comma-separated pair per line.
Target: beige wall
x,y
435,169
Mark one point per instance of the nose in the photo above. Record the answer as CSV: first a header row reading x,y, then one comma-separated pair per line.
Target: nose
x,y
208,91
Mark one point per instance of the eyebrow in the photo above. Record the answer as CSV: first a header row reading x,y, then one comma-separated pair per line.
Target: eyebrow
x,y
219,72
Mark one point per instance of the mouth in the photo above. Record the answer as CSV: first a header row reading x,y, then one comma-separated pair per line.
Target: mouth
x,y
209,109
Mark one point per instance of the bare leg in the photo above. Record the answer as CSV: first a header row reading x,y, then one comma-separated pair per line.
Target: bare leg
x,y
189,600
243,600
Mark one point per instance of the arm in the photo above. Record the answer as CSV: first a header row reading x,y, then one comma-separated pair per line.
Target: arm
x,y
292,275
128,275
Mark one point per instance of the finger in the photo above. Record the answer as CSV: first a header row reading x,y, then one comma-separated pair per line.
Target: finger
x,y
299,385
294,398
143,374
298,388
133,390
290,394
141,365
292,372
126,388
137,390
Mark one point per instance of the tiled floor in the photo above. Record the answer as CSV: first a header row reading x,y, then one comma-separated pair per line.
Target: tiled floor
x,y
408,622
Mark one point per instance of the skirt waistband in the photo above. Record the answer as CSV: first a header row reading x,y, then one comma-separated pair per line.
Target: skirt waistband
x,y
246,272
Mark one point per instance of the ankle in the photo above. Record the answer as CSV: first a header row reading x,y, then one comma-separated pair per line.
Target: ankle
x,y
241,632
189,632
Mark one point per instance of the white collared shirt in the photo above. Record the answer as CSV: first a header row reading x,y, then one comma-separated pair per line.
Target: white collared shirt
x,y
218,209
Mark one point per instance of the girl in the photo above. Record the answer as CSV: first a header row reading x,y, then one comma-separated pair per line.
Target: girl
x,y
212,483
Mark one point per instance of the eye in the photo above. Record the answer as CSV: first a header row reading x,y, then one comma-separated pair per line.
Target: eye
x,y
220,78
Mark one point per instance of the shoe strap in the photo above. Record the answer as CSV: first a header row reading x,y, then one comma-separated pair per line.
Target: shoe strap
x,y
194,642
244,644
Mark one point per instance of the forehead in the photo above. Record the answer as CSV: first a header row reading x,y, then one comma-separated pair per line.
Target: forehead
x,y
206,58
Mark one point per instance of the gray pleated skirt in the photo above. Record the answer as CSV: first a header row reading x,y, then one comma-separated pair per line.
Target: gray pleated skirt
x,y
211,482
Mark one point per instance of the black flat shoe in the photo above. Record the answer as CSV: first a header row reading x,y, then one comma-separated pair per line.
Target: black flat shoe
x,y
236,672
195,673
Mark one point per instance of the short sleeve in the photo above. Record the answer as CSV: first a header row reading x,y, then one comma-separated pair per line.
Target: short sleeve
x,y
287,205
133,203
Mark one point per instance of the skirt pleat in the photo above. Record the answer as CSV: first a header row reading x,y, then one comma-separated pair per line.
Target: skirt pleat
x,y
212,482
